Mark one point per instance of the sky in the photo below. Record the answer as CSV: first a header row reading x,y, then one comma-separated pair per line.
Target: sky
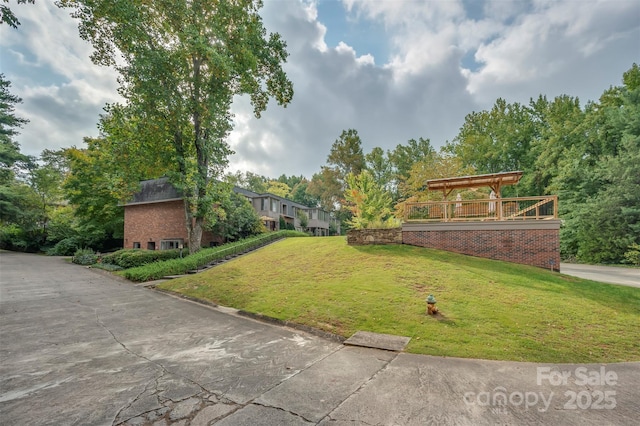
x,y
393,70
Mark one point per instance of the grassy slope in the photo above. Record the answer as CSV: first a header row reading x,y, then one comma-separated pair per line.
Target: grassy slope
x,y
491,309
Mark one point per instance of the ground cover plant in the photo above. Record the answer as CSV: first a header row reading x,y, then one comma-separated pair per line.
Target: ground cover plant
x,y
490,309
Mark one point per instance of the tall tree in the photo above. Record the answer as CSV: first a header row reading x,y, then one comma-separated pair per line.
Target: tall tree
x,y
607,224
379,164
403,157
20,209
497,140
345,157
346,154
300,194
402,160
95,190
181,62
10,156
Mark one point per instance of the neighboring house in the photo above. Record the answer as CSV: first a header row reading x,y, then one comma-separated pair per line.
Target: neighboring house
x,y
154,219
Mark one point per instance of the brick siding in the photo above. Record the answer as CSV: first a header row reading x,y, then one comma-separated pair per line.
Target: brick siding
x,y
519,242
154,222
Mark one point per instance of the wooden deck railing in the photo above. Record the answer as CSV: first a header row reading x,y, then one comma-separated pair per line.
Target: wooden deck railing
x,y
521,208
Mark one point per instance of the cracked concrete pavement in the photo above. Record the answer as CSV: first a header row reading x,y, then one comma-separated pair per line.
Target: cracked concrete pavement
x,y
81,348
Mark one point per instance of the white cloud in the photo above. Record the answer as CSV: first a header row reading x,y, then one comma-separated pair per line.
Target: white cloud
x,y
62,91
425,88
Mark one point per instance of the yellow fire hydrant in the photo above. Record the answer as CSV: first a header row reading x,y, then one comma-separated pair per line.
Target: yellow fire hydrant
x,y
431,305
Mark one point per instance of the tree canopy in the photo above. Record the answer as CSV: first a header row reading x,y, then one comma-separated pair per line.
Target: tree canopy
x,y
180,65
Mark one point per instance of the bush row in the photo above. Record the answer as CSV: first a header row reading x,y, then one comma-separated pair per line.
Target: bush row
x,y
131,258
156,270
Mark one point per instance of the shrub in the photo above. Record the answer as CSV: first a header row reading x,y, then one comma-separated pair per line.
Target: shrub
x,y
131,258
66,247
84,257
633,254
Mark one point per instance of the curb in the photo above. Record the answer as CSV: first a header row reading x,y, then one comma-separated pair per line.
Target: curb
x,y
284,323
182,296
258,317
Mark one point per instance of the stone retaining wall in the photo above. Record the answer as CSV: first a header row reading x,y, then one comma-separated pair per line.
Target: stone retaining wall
x,y
363,237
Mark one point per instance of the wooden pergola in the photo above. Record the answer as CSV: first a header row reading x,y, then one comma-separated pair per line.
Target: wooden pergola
x,y
495,181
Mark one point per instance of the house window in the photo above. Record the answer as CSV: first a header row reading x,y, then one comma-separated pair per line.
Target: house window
x,y
274,205
310,214
170,244
151,245
263,204
136,245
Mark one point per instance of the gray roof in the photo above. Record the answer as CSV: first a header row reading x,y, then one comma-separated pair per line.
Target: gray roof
x,y
158,190
155,190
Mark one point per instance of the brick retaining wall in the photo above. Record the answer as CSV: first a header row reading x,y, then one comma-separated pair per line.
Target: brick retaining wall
x,y
535,243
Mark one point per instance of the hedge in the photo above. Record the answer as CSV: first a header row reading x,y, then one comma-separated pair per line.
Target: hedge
x,y
157,270
131,258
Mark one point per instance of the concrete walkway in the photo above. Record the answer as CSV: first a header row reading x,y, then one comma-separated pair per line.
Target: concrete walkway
x,y
81,348
605,274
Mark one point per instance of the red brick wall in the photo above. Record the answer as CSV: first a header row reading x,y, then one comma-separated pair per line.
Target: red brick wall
x,y
156,222
519,242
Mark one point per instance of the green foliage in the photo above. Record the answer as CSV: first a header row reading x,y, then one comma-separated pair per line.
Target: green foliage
x,y
381,168
197,260
369,202
280,189
346,154
12,238
84,257
304,219
65,247
328,186
131,258
92,191
282,223
633,254
589,156
181,64
239,219
403,157
7,16
247,180
20,212
300,194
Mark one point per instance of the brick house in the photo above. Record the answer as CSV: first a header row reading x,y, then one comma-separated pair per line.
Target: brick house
x,y
154,219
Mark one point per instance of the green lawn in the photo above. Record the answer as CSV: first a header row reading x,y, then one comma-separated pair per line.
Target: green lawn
x,y
490,309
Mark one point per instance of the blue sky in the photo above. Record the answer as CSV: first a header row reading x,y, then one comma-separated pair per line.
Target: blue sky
x,y
365,36
391,69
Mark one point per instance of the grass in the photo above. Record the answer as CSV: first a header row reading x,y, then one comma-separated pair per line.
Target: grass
x,y
490,309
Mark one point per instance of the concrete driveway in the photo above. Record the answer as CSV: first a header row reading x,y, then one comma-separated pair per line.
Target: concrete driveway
x,y
605,274
80,348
